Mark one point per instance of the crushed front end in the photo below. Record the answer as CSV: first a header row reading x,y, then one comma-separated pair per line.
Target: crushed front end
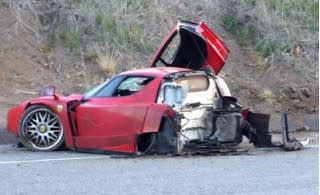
x,y
206,117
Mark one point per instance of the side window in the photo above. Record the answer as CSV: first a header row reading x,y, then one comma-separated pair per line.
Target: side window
x,y
109,89
131,85
170,51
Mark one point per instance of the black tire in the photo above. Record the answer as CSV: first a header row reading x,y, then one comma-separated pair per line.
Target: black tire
x,y
40,129
166,139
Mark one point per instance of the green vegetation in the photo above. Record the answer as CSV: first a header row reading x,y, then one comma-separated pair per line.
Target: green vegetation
x,y
46,47
101,25
106,23
49,44
74,39
272,27
240,32
91,56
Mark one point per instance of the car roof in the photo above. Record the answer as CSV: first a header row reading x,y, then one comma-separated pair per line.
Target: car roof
x,y
155,72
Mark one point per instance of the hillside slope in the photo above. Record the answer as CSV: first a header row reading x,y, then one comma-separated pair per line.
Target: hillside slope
x,y
75,45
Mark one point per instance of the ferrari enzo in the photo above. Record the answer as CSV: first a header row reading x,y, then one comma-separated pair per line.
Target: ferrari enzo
x,y
177,104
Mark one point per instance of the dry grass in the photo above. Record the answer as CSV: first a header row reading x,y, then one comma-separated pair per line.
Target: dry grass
x,y
274,31
106,60
277,27
271,27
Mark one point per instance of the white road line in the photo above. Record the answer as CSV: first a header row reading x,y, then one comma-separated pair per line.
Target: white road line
x,y
311,146
52,160
79,158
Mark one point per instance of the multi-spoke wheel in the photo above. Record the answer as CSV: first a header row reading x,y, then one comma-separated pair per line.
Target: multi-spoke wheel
x,y
41,129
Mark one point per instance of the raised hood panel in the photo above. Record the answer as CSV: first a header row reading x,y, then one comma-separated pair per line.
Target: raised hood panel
x,y
191,45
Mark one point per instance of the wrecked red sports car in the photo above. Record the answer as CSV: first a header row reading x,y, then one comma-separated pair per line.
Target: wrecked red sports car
x,y
177,104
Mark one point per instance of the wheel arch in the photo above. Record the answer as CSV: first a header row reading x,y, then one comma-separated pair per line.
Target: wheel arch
x,y
157,118
30,111
61,112
154,117
163,141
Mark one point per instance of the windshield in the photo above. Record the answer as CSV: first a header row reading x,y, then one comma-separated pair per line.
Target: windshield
x,y
93,91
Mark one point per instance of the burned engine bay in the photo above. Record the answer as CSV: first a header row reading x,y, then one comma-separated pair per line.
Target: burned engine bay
x,y
206,117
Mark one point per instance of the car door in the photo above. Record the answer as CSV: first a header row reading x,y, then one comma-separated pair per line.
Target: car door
x,y
111,119
191,45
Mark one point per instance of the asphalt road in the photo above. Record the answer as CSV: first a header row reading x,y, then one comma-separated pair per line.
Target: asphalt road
x,y
66,172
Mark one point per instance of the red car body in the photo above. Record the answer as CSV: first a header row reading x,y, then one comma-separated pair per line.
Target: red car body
x,y
109,124
116,123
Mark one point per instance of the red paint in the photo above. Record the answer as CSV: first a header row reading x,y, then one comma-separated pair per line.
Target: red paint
x,y
106,123
216,48
245,113
13,118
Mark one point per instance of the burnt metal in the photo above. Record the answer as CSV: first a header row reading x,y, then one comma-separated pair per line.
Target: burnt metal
x,y
259,135
285,128
166,139
289,144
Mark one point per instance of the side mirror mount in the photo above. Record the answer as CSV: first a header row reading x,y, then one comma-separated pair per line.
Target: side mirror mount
x,y
48,91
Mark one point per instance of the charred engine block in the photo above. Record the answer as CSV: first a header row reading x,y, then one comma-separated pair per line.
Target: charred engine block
x,y
205,119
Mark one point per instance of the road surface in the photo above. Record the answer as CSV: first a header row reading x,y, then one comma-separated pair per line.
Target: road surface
x,y
67,172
